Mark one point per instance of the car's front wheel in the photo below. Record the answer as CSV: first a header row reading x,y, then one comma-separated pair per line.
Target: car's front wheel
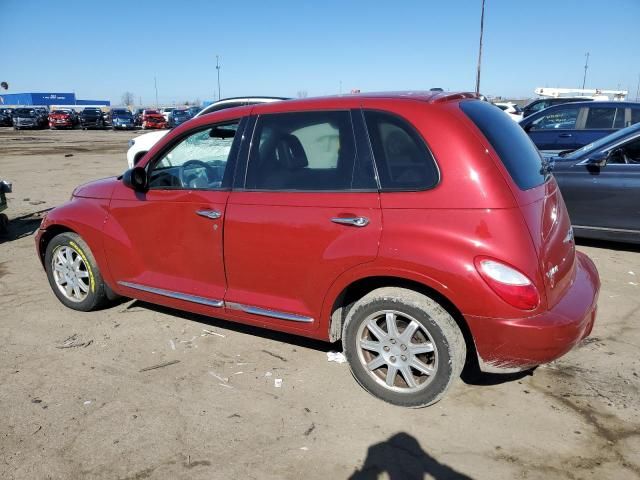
x,y
73,273
403,347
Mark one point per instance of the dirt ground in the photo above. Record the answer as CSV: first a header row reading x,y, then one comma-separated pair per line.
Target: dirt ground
x,y
74,402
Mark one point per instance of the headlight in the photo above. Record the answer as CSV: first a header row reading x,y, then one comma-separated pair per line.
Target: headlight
x,y
131,142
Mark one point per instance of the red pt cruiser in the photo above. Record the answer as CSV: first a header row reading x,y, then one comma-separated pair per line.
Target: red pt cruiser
x,y
418,228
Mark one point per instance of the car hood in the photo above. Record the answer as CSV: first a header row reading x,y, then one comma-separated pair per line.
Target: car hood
x,y
150,138
97,189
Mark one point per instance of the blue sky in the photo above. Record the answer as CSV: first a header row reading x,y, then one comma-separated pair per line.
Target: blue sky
x,y
99,49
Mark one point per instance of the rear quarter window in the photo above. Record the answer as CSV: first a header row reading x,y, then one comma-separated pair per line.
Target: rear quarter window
x,y
402,158
515,149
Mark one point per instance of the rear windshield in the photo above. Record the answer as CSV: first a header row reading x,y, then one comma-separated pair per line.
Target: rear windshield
x,y
516,151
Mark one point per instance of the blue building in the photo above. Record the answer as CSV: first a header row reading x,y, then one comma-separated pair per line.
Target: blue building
x,y
47,99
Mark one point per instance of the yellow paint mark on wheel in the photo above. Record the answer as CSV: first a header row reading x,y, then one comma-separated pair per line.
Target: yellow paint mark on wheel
x,y
92,282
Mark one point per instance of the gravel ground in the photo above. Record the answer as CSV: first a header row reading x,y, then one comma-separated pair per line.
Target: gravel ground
x,y
74,402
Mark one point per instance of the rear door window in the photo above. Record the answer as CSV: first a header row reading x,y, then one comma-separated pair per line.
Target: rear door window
x,y
603,117
513,146
402,158
302,151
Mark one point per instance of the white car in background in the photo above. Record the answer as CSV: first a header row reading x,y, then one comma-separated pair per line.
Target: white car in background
x,y
510,109
139,146
165,112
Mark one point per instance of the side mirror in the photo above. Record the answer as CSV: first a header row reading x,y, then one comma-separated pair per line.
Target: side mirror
x,y
598,159
136,178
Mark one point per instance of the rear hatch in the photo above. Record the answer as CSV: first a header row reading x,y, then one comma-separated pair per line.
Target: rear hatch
x,y
536,192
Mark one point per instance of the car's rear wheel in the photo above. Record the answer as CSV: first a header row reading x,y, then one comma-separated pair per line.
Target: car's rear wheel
x,y
73,273
403,347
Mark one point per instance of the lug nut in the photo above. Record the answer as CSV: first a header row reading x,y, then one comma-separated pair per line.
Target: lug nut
x,y
404,359
393,341
386,349
393,359
403,346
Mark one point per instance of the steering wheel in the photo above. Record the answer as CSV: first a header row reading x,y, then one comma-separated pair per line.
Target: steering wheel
x,y
191,164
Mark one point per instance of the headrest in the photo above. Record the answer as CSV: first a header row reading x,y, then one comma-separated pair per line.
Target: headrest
x,y
291,152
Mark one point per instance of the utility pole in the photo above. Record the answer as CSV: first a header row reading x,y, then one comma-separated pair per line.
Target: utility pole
x,y
218,69
638,89
340,87
480,50
155,83
586,65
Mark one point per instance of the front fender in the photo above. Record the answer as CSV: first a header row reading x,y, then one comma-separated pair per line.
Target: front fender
x,y
84,216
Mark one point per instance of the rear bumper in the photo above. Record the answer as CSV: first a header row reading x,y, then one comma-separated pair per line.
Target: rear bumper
x,y
508,345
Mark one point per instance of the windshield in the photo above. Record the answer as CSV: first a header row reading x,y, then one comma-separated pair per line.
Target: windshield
x,y
180,113
603,142
25,112
91,110
151,112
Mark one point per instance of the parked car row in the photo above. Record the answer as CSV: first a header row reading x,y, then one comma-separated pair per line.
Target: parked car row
x,y
94,117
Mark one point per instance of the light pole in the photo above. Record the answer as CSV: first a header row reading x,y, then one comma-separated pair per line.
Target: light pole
x,y
155,83
586,65
218,69
480,50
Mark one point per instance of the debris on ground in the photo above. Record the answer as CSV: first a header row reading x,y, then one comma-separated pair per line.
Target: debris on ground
x,y
172,344
274,355
66,155
211,332
88,402
268,374
74,342
159,365
222,379
337,357
277,383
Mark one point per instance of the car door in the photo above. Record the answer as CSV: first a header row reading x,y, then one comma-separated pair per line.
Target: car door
x,y
555,129
603,197
307,210
168,240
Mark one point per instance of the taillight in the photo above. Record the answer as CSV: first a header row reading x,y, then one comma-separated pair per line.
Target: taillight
x,y
510,285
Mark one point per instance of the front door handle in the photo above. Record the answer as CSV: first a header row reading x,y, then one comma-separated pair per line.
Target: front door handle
x,y
355,221
565,135
212,214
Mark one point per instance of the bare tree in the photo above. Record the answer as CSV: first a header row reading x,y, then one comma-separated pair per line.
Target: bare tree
x,y
302,94
127,98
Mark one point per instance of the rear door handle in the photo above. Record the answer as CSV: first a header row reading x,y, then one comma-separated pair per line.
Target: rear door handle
x,y
565,135
355,221
212,214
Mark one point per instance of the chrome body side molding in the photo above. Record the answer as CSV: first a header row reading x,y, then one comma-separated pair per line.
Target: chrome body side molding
x,y
268,313
210,302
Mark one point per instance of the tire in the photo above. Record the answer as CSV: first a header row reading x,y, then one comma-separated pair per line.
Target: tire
x,y
433,329
71,244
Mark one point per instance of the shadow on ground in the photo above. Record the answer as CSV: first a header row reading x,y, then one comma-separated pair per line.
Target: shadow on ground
x,y
402,458
23,226
240,327
608,244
